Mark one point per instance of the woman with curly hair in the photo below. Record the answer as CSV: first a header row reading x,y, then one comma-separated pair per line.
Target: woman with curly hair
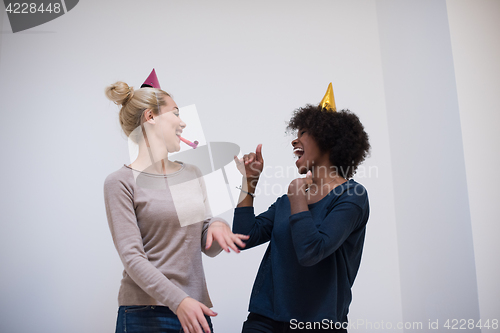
x,y
315,232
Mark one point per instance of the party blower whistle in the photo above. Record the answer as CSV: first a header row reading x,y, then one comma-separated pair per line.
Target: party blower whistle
x,y
189,143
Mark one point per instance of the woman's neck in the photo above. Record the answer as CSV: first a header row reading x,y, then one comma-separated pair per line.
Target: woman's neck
x,y
326,174
147,161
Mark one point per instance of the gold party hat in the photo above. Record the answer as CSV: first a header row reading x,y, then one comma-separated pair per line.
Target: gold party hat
x,y
328,102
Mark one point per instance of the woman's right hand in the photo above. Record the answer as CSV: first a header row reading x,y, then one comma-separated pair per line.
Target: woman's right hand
x,y
251,165
191,314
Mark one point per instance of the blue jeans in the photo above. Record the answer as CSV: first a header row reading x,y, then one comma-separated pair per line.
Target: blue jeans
x,y
149,319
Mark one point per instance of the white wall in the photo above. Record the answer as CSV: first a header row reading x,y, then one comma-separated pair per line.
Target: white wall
x,y
432,210
474,28
246,66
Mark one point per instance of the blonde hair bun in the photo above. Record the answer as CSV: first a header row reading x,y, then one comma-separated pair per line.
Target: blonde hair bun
x,y
120,93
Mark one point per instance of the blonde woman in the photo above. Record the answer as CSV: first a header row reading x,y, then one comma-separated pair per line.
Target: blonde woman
x,y
159,218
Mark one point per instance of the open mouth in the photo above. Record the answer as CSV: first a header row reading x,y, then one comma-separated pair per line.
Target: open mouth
x,y
299,152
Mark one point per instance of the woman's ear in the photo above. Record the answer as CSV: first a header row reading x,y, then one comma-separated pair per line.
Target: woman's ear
x,y
148,115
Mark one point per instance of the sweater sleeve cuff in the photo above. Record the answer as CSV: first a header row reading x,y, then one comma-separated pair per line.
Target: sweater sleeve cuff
x,y
174,302
242,219
218,219
244,210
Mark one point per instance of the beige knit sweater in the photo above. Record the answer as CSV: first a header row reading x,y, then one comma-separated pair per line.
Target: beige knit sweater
x,y
159,225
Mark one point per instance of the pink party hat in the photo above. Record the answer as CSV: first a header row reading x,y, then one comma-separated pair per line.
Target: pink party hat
x,y
151,81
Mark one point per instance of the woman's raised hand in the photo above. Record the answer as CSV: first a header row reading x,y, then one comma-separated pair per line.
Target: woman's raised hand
x,y
251,165
191,314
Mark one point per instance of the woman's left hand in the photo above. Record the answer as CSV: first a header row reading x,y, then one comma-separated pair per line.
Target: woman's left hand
x,y
298,186
220,232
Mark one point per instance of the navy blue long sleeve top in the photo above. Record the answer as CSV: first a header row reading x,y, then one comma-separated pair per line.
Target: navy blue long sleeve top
x,y
313,256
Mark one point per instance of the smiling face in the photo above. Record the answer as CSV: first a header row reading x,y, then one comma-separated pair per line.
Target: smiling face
x,y
307,152
171,125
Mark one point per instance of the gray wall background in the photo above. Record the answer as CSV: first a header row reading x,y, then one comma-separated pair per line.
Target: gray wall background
x,y
421,75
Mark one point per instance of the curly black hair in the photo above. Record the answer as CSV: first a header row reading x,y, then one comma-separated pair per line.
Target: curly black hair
x,y
339,133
